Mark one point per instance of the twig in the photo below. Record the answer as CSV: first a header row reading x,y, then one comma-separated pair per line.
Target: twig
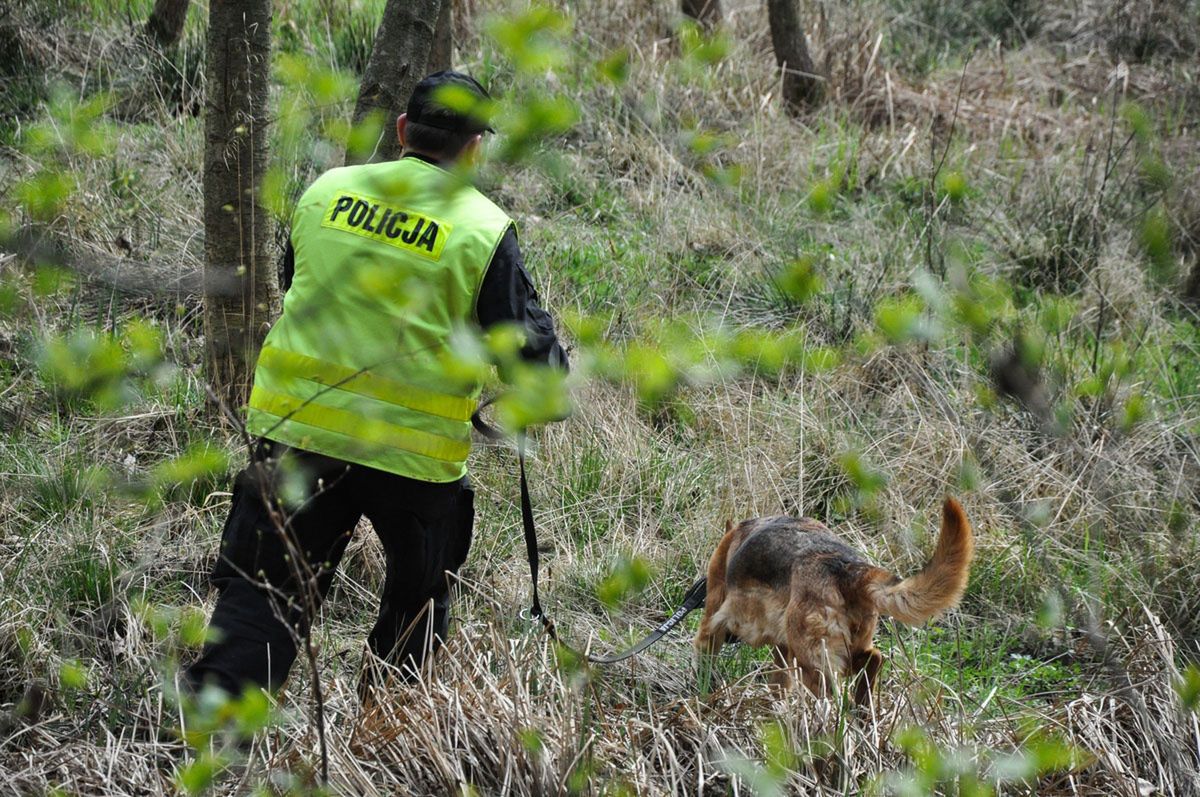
x,y
931,193
306,579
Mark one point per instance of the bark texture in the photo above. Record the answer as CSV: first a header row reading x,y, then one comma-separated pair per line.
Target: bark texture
x,y
802,86
706,12
1191,287
241,292
441,53
398,62
165,26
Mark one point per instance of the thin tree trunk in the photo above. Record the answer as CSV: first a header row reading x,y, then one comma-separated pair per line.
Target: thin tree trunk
x,y
1191,287
165,26
706,12
441,53
241,293
398,62
802,87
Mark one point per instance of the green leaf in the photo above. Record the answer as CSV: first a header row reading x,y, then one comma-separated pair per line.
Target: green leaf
x,y
1135,116
1050,614
1056,314
1155,173
192,627
531,739
821,196
799,280
45,194
1134,412
252,712
702,48
199,775
1188,688
532,40
614,68
820,358
466,102
865,479
779,750
72,676
899,318
274,194
953,185
88,365
198,463
650,371
630,576
1155,238
51,280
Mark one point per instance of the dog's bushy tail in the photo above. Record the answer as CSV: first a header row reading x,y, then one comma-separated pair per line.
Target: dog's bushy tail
x,y
936,588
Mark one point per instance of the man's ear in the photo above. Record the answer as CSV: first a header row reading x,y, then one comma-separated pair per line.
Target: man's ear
x,y
401,127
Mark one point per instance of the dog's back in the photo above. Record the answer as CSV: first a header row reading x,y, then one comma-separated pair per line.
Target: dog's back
x,y
776,550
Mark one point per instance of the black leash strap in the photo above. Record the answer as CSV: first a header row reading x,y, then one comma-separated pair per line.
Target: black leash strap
x,y
693,600
531,545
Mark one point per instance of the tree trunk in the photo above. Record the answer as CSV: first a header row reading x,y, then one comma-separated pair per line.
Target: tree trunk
x,y
802,87
1191,287
398,60
165,26
441,53
241,292
705,12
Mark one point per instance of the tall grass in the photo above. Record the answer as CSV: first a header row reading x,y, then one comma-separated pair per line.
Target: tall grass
x,y
994,328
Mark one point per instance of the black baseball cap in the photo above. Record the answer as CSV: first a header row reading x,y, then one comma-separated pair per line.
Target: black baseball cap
x,y
424,107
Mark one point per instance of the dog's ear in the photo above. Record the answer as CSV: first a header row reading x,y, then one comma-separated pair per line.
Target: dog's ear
x,y
729,526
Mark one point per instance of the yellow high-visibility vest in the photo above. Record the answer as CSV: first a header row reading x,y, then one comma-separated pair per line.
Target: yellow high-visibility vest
x,y
389,261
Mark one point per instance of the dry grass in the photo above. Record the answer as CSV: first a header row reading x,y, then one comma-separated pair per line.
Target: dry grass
x,y
1082,607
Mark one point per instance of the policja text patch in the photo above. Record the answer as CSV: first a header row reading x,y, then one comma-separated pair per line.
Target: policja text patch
x,y
374,219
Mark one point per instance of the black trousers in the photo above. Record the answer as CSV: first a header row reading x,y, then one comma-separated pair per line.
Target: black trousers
x,y
268,596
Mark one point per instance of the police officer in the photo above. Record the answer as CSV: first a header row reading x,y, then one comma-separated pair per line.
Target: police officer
x,y
353,405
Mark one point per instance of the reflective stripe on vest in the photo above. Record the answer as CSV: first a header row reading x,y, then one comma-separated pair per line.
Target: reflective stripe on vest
x,y
366,383
389,260
354,424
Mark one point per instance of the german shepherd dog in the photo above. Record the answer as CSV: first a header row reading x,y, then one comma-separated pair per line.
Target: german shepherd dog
x,y
794,585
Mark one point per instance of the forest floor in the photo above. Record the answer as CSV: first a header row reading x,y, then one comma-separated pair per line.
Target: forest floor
x,y
995,220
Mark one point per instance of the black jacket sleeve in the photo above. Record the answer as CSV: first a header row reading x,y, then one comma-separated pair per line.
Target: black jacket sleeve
x,y
287,267
507,294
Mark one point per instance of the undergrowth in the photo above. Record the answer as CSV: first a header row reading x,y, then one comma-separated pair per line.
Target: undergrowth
x,y
966,274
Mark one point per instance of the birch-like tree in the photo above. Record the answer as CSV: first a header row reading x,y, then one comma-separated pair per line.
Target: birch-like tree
x,y
241,291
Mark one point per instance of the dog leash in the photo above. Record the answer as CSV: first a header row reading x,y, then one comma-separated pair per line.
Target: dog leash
x,y
692,600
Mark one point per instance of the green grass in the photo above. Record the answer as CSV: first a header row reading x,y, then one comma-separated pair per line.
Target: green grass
x,y
1086,531
989,669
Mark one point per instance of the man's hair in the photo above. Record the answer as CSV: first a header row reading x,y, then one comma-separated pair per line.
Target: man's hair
x,y
442,144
